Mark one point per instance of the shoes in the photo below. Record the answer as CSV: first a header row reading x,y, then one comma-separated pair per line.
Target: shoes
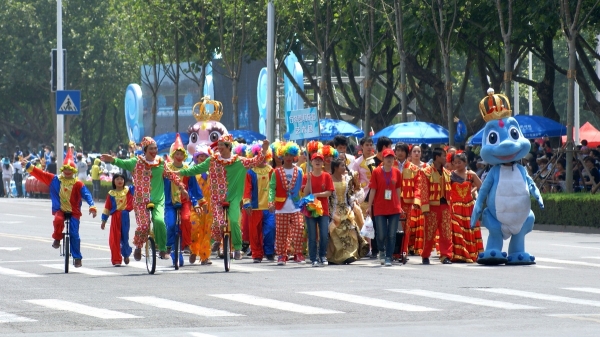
x,y
164,255
237,255
299,258
249,253
137,254
192,258
369,254
382,258
205,262
116,264
426,260
215,247
270,257
56,244
77,263
257,260
126,260
187,251
281,260
374,255
388,262
446,261
245,246
323,261
315,264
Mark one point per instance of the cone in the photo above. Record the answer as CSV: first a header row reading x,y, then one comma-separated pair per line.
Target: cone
x,y
177,145
69,162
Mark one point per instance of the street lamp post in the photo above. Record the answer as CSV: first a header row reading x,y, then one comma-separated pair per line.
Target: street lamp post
x,y
60,121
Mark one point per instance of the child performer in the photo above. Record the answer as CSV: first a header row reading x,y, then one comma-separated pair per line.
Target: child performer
x,y
119,203
66,193
256,203
202,223
284,200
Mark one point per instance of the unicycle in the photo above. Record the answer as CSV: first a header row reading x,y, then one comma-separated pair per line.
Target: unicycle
x,y
150,246
177,254
403,236
226,232
66,242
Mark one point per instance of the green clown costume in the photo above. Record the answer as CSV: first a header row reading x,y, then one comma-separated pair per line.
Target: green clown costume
x,y
227,178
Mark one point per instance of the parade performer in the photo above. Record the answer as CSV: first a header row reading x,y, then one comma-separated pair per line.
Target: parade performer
x,y
175,201
433,199
466,242
148,171
507,187
227,174
66,193
202,223
241,149
118,205
412,180
284,199
256,204
208,128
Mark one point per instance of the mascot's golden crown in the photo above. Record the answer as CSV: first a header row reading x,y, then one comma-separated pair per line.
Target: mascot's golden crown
x,y
498,106
202,115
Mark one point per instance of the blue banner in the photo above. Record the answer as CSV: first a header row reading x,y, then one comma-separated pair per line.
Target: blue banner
x,y
302,124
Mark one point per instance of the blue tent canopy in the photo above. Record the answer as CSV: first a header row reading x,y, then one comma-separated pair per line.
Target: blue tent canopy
x,y
249,136
532,127
414,133
164,141
332,127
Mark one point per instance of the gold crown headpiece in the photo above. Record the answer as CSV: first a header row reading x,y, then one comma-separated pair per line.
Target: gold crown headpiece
x,y
202,115
498,106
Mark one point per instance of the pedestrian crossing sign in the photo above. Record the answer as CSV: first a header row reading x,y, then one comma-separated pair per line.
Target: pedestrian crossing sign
x,y
68,102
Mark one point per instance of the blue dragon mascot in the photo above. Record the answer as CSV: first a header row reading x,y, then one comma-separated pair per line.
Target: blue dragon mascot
x,y
507,188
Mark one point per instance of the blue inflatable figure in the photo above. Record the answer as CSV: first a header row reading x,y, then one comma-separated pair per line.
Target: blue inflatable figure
x,y
507,188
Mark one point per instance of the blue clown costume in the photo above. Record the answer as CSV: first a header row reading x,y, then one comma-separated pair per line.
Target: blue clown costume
x,y
66,193
507,188
118,206
174,201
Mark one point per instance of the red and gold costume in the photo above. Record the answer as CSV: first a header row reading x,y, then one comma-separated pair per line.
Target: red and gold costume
x,y
467,242
412,179
433,198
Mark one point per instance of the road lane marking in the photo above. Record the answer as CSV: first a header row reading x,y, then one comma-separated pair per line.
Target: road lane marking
x,y
17,273
44,239
370,301
199,334
5,317
10,249
81,309
463,299
55,260
81,270
275,304
538,296
576,263
580,317
179,306
570,246
21,215
585,290
239,267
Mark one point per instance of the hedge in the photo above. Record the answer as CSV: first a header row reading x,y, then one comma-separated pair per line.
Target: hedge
x,y
575,209
105,186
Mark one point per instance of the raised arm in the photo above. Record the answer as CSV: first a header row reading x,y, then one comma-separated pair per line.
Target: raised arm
x,y
126,164
533,189
196,169
44,177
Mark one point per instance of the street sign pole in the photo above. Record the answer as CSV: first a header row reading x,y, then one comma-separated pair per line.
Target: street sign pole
x,y
60,119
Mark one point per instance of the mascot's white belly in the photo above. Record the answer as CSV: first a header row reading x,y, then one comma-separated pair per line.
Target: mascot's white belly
x,y
512,200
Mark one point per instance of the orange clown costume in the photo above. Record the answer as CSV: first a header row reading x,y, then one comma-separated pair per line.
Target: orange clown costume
x,y
66,193
174,201
202,223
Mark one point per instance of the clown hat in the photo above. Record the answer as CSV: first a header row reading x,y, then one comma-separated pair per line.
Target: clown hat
x,y
177,146
69,162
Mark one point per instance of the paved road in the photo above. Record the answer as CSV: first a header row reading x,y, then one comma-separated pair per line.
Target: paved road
x,y
559,296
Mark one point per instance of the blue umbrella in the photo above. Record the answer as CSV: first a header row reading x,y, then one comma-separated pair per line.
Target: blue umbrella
x,y
414,133
164,141
532,127
249,136
332,127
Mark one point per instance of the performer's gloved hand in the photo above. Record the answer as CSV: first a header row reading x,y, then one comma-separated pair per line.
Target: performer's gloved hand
x,y
93,212
541,204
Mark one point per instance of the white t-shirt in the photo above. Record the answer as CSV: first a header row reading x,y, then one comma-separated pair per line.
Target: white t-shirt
x,y
82,170
289,206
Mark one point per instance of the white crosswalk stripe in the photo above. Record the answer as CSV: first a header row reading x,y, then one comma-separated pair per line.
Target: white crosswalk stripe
x,y
586,290
81,309
538,296
161,269
374,302
463,299
199,334
17,273
179,306
275,304
240,267
81,270
575,263
5,317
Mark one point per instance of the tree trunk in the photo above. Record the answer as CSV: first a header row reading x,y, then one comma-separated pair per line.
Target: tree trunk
x,y
154,98
368,85
234,102
571,109
400,43
323,85
102,124
176,80
449,110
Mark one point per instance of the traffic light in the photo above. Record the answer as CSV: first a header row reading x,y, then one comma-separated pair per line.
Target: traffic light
x,y
53,70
